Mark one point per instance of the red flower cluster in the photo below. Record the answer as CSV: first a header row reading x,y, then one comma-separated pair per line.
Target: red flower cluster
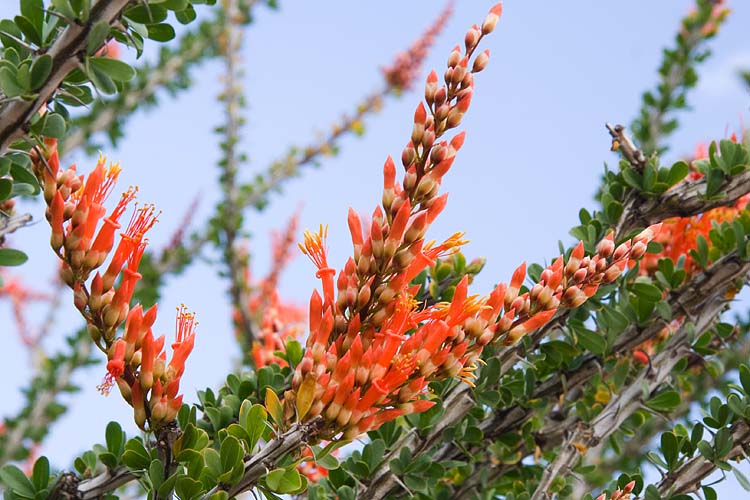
x,y
137,363
619,494
83,235
372,349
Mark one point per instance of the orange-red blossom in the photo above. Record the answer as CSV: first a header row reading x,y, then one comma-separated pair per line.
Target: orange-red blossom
x,y
83,236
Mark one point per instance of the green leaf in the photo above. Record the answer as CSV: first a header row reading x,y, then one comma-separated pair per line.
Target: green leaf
x,y
647,291
168,485
186,16
273,478
14,478
174,4
745,378
329,462
135,456
188,488
108,459
284,481
21,175
54,126
632,178
294,352
678,172
40,70
161,32
220,495
143,14
706,450
30,31
101,80
714,180
614,210
114,437
33,10
231,453
669,449
664,402
5,187
114,68
741,478
12,257
40,474
64,8
709,493
9,84
156,473
652,493
97,36
591,341
253,419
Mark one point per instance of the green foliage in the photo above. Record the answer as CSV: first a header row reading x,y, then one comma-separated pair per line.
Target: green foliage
x,y
677,76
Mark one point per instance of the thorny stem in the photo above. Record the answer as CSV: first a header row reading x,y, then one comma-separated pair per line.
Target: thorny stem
x,y
230,209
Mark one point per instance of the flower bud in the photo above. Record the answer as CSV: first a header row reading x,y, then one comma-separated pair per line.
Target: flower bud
x,y
481,61
472,37
488,26
454,58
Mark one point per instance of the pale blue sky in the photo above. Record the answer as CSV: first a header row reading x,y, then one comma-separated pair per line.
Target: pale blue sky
x,y
533,155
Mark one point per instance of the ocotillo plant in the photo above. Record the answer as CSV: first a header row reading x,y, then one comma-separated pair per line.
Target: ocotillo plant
x,y
612,371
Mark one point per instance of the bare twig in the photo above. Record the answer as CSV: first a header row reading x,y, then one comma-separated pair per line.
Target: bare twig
x,y
622,142
8,224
